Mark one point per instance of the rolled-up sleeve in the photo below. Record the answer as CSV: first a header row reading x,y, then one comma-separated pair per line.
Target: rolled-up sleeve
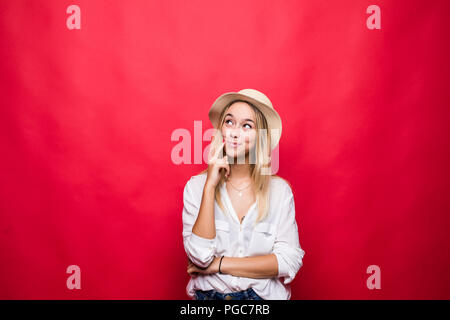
x,y
201,251
287,246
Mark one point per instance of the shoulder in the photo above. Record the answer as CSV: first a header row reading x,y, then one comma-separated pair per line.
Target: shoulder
x,y
196,182
281,184
281,188
199,177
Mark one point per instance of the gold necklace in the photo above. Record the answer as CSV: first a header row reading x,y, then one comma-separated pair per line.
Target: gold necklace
x,y
240,190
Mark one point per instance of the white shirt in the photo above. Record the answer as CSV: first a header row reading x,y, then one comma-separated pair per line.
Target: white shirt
x,y
277,234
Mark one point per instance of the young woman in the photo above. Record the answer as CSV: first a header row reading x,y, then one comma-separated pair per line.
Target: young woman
x,y
239,227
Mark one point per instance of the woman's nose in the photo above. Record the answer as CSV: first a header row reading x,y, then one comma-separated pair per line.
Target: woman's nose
x,y
235,133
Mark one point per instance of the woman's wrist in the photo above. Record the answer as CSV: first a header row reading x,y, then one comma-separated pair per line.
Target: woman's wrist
x,y
209,188
220,269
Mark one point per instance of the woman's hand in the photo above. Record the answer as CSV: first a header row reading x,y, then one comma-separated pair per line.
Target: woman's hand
x,y
215,165
193,270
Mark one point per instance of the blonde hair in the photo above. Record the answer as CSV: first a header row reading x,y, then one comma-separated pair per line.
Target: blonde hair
x,y
260,162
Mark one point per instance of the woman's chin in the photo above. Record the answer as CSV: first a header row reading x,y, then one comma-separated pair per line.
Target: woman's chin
x,y
235,154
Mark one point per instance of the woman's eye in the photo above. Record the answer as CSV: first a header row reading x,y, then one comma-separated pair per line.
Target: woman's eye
x,y
229,121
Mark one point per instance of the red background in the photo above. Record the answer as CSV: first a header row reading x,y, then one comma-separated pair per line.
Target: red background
x,y
87,117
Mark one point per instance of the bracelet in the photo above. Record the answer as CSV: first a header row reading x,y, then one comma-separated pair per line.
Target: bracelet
x,y
220,264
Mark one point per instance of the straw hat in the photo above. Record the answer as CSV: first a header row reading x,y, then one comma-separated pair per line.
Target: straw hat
x,y
259,100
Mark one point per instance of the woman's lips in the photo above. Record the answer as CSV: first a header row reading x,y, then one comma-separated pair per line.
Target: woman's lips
x,y
233,144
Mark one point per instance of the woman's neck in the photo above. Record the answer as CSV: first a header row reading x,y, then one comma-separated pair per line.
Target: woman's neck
x,y
240,171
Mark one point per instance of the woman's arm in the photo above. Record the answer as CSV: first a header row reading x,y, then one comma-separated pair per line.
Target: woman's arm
x,y
204,226
199,250
257,267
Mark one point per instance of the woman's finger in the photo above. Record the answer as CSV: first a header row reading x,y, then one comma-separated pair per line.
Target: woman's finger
x,y
219,149
227,166
223,164
193,271
192,267
213,153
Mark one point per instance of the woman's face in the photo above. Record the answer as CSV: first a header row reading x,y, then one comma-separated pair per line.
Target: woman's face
x,y
239,130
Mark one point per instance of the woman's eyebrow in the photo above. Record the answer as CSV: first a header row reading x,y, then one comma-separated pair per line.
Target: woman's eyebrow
x,y
229,114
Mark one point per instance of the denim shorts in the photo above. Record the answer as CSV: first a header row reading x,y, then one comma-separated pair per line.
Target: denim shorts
x,y
248,294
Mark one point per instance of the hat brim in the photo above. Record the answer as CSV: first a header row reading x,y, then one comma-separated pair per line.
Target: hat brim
x,y
272,117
